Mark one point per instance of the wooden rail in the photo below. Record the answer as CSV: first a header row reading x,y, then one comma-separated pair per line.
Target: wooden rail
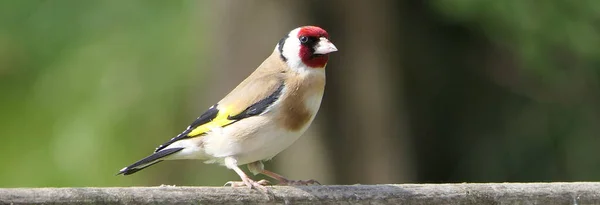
x,y
488,193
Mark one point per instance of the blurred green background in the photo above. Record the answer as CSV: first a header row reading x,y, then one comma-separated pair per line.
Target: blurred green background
x,y
420,91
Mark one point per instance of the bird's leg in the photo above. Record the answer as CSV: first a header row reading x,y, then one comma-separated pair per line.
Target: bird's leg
x,y
258,167
231,163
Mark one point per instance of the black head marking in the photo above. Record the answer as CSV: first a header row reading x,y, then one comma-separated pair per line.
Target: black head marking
x,y
310,42
280,47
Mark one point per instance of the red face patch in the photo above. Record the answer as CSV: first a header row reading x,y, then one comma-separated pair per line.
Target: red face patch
x,y
306,50
313,31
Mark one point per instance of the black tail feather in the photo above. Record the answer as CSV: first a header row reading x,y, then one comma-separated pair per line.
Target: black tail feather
x,y
128,171
148,161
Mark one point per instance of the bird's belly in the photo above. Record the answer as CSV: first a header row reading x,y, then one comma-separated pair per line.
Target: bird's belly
x,y
271,146
248,140
256,138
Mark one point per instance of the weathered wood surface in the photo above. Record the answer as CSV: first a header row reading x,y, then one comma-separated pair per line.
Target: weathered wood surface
x,y
488,193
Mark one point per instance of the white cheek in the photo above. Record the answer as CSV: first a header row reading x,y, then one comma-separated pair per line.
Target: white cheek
x,y
291,51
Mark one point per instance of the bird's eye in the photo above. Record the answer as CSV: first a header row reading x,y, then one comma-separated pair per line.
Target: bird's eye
x,y
303,39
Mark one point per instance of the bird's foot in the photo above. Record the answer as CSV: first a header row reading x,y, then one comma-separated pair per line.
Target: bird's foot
x,y
249,183
287,182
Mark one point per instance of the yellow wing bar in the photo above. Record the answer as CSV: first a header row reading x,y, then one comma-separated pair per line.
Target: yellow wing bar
x,y
221,120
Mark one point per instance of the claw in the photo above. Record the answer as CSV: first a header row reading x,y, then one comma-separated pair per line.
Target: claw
x,y
250,184
263,182
234,184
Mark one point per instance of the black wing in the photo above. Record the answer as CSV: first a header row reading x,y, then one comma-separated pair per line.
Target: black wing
x,y
206,117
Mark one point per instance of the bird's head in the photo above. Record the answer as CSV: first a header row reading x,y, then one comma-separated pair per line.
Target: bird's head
x,y
306,47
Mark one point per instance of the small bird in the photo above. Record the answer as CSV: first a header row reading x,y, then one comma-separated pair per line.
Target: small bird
x,y
262,116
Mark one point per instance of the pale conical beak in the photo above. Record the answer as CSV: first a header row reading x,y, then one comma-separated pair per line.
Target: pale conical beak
x,y
324,46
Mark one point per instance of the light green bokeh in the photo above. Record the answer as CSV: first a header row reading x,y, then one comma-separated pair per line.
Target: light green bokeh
x,y
88,87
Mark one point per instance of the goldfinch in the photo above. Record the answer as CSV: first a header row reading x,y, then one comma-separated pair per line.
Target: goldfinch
x,y
262,116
